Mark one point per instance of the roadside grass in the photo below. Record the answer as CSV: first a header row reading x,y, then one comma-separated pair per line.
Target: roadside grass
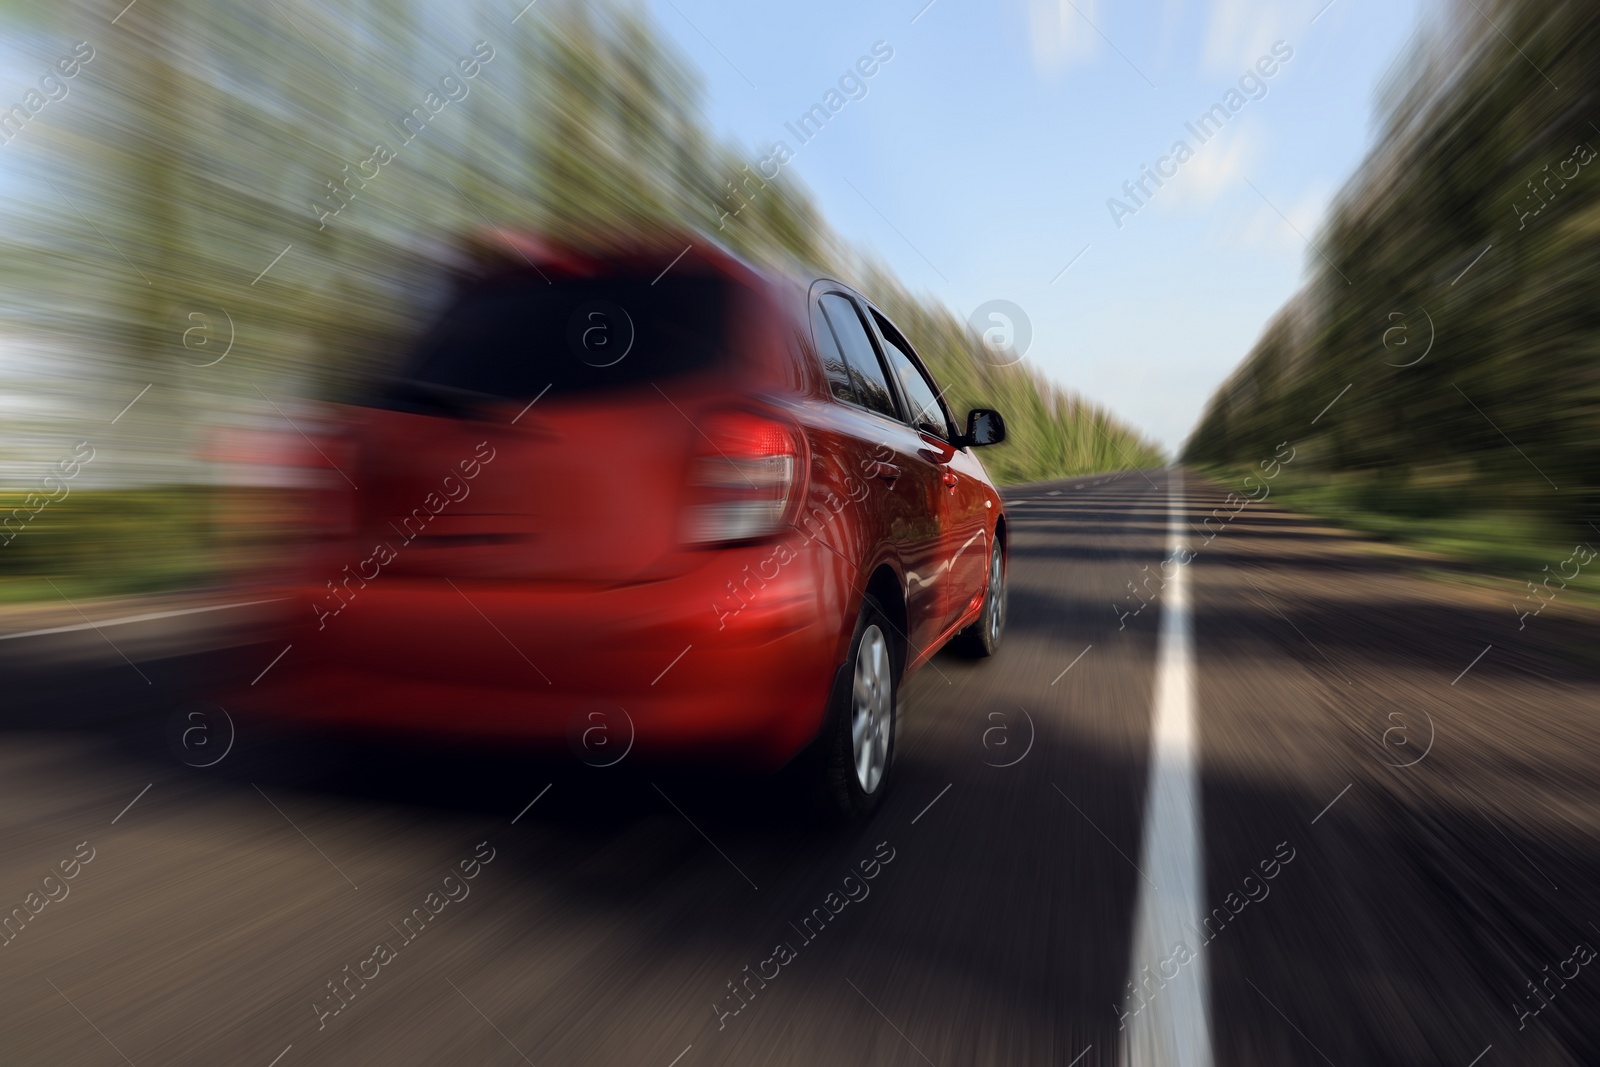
x,y
1438,524
101,543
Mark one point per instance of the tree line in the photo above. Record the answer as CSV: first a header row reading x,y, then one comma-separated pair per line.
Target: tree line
x,y
1441,359
302,175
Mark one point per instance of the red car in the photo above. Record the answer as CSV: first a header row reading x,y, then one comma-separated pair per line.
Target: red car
x,y
677,505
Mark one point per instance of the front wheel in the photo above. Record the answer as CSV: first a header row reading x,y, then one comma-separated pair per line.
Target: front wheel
x,y
858,740
982,638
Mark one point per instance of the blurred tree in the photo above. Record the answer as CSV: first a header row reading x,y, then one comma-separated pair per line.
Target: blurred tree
x,y
304,171
1473,224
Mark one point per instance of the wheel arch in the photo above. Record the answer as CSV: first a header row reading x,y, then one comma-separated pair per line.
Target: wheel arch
x,y
885,588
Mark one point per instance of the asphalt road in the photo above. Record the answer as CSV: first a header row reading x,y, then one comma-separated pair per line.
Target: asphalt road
x,y
1439,812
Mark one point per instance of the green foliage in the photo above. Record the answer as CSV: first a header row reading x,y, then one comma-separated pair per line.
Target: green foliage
x,y
1051,433
1505,406
111,542
1430,528
210,139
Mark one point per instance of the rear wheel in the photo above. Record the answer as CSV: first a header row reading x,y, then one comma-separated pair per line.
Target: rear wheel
x,y
857,745
982,638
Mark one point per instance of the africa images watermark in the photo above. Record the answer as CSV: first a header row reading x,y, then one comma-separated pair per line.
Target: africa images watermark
x,y
66,470
810,929
12,925
1252,86
1582,956
384,553
345,985
1139,997
52,87
811,526
1581,156
1582,555
1004,330
1183,555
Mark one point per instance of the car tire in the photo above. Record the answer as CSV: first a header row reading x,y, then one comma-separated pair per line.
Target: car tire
x,y
856,747
982,638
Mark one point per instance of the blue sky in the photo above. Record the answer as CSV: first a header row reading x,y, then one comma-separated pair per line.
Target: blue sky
x,y
980,162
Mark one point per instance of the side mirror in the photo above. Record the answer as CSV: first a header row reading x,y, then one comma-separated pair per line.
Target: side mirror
x,y
984,427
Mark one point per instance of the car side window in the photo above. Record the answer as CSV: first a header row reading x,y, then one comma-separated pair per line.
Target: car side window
x,y
925,413
832,359
866,372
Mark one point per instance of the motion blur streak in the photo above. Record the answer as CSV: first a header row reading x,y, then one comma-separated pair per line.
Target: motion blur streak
x,y
427,424
1169,1027
239,201
1453,295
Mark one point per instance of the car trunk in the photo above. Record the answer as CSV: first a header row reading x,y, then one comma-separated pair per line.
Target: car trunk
x,y
578,492
543,431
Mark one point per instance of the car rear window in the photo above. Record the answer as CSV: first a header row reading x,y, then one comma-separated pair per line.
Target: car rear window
x,y
517,338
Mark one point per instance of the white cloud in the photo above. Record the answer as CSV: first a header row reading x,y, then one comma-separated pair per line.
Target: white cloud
x,y
1170,35
1261,227
1216,167
1240,31
1061,33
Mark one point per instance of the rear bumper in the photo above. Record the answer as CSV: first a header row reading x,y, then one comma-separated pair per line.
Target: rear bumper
x,y
732,661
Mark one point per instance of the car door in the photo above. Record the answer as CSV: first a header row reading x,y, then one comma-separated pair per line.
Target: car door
x,y
902,484
963,546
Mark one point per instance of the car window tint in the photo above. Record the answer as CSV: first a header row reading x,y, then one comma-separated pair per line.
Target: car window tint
x,y
920,396
866,373
832,359
515,337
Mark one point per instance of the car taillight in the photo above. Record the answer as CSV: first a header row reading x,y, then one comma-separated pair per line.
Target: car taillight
x,y
742,477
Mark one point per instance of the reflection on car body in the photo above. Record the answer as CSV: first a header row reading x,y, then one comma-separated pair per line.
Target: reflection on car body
x,y
586,454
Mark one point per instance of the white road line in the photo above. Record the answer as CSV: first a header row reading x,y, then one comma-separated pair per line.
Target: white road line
x,y
147,617
1166,1023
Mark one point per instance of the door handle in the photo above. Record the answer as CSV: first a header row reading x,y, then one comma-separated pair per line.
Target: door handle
x,y
887,471
950,480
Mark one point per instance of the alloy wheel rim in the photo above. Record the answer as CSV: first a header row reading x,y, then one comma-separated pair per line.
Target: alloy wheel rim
x,y
871,709
997,597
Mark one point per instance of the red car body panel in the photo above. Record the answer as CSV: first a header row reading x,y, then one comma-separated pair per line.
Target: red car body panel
x,y
511,566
